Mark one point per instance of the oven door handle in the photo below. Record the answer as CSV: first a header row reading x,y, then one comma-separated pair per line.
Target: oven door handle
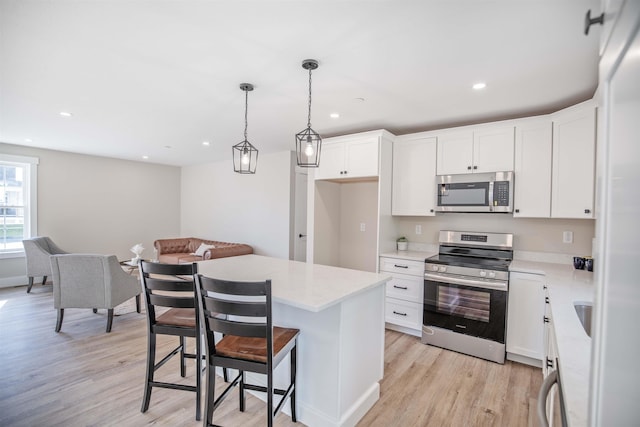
x,y
486,284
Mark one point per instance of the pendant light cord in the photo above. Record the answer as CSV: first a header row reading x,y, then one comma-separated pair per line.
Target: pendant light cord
x,y
309,117
246,108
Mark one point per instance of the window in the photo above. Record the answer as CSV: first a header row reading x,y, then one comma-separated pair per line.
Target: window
x,y
18,182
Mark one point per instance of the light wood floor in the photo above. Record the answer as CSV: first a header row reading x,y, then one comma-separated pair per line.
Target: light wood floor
x,y
83,376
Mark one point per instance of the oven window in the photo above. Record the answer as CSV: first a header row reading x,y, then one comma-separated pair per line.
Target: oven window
x,y
470,304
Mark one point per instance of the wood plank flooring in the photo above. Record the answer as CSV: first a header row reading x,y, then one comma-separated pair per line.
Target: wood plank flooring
x,y
83,376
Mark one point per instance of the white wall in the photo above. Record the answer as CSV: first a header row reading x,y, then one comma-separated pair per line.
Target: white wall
x,y
99,205
219,204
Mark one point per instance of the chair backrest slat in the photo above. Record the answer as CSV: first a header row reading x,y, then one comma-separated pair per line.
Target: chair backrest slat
x,y
236,308
169,284
171,301
235,327
234,288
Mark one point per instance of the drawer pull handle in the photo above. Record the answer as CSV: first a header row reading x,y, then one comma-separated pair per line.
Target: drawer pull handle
x,y
400,287
400,266
545,319
461,326
398,313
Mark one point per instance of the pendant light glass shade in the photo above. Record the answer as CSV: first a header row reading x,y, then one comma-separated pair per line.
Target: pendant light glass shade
x,y
308,142
245,155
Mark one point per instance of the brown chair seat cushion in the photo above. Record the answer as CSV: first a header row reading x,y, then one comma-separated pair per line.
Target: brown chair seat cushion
x,y
178,317
255,349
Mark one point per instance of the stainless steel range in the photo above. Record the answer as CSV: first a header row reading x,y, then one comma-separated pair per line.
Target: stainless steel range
x,y
465,293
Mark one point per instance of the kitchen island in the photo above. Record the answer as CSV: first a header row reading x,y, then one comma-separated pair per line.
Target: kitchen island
x,y
340,314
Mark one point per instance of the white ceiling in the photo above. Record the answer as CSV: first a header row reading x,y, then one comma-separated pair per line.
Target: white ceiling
x,y
157,78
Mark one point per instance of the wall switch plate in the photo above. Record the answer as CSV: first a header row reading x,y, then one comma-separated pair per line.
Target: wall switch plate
x,y
418,229
567,237
362,226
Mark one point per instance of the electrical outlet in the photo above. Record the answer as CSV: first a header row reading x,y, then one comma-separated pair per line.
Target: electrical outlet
x,y
362,226
418,229
567,237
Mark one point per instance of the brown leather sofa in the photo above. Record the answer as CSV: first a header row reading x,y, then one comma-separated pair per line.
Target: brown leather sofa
x,y
181,250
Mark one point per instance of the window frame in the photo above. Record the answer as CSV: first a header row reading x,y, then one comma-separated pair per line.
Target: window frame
x,y
31,199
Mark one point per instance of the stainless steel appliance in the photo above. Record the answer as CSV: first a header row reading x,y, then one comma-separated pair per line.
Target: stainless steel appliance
x,y
465,293
475,192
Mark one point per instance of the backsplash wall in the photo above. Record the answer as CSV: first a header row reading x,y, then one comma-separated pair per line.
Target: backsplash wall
x,y
530,234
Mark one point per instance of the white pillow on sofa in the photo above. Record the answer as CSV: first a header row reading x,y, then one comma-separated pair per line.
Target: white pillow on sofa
x,y
202,249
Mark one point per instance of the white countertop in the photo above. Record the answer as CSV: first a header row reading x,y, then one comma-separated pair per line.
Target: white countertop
x,y
566,286
311,287
410,255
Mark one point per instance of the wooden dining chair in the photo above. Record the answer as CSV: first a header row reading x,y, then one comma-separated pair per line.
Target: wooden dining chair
x,y
241,311
171,310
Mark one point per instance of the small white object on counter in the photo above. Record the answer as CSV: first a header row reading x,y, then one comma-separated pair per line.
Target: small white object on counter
x,y
566,286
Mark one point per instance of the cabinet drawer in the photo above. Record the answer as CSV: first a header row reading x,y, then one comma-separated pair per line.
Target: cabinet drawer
x,y
402,313
405,287
402,266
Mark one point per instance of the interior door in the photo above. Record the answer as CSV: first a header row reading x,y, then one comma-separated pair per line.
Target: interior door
x,y
300,218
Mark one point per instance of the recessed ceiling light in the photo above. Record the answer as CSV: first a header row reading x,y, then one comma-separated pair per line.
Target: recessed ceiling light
x,y
480,85
65,114
168,147
206,143
334,115
28,140
145,157
359,99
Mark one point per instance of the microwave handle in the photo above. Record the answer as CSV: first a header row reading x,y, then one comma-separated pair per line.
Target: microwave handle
x,y
491,196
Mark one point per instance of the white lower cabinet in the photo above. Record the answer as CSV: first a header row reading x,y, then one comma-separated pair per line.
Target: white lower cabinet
x,y
404,296
525,327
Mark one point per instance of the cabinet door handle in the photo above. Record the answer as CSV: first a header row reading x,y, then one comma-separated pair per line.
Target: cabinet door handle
x,y
400,266
517,210
345,172
400,287
589,21
549,362
545,319
587,211
469,168
475,167
430,210
546,300
398,313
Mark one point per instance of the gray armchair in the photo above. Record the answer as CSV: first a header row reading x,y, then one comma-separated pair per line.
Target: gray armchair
x,y
91,281
38,250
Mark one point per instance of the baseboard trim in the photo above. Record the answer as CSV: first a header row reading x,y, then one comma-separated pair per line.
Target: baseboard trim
x,y
10,282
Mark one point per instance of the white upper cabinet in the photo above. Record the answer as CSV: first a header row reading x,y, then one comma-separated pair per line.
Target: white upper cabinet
x,y
352,158
455,152
532,169
574,143
414,177
493,149
487,149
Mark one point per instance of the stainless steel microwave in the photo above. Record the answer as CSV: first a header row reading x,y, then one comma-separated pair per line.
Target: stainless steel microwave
x,y
475,192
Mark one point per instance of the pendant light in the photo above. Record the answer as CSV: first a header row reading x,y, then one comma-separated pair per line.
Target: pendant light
x,y
308,142
245,155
